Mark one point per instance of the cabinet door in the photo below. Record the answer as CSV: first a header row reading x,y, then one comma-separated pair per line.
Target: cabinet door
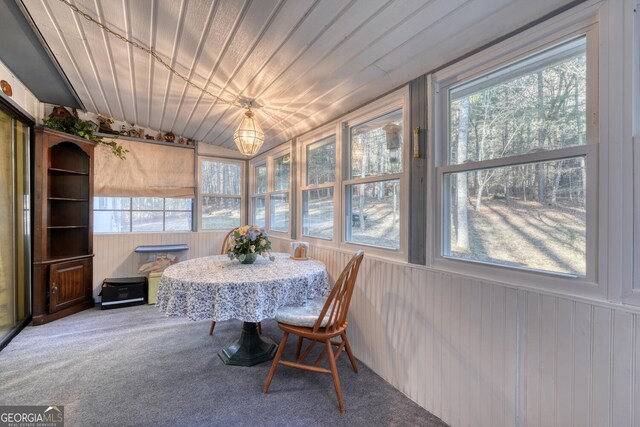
x,y
67,284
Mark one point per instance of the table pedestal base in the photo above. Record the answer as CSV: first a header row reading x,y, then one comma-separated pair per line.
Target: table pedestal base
x,y
250,349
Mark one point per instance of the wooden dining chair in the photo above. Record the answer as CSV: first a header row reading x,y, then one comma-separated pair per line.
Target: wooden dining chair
x,y
320,320
226,242
226,245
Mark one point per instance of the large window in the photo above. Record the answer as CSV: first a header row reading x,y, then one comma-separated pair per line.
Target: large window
x,y
352,176
318,188
515,164
259,198
279,196
372,187
221,191
141,214
270,191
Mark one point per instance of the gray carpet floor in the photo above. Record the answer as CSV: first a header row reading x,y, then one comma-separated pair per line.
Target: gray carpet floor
x,y
133,366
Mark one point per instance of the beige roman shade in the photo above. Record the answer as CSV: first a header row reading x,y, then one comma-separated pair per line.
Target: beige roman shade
x,y
150,170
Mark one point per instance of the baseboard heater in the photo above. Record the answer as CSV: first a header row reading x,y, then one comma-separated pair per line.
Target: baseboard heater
x,y
123,292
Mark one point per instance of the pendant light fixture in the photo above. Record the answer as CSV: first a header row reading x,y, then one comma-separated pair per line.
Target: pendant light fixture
x,y
249,135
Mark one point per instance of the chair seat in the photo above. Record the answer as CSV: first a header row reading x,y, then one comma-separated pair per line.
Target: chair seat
x,y
303,315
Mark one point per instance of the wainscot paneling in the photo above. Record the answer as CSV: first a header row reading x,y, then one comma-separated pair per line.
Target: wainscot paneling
x,y
115,256
483,354
473,353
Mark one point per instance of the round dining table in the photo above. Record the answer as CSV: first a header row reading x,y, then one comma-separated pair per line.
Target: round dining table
x,y
218,288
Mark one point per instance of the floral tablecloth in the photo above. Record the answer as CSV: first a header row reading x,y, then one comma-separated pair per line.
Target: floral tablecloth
x,y
218,288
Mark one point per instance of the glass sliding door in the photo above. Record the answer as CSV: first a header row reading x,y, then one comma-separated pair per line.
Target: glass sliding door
x,y
15,253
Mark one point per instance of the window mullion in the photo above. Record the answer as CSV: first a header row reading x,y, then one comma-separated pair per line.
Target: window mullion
x,y
219,218
370,179
523,159
318,186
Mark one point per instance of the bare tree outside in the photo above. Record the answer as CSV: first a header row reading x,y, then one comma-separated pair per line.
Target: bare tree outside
x,y
376,148
540,108
462,238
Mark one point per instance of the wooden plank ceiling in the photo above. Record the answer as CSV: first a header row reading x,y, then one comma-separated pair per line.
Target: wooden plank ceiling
x,y
304,62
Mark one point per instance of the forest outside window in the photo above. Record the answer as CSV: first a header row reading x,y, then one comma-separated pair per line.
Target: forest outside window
x,y
270,191
141,214
220,194
372,190
318,188
259,198
279,196
515,164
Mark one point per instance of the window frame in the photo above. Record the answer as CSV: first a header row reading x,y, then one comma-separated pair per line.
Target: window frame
x,y
254,194
477,66
398,99
268,159
201,195
305,141
131,210
631,286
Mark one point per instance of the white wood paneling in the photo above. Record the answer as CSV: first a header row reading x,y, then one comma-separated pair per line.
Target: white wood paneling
x,y
305,61
473,353
484,354
115,256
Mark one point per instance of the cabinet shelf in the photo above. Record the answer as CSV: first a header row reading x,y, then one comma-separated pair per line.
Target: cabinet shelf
x,y
67,171
62,222
68,199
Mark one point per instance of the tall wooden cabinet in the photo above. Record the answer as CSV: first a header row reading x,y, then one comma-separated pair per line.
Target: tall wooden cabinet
x,y
63,225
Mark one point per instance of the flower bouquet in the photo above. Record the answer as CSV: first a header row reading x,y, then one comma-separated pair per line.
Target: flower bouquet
x,y
248,242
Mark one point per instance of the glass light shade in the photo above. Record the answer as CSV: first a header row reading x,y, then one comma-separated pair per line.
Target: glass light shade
x,y
249,135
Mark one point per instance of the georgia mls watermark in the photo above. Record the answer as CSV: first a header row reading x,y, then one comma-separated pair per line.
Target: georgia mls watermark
x,y
32,416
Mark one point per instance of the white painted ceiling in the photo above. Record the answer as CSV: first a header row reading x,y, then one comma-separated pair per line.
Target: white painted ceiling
x,y
306,62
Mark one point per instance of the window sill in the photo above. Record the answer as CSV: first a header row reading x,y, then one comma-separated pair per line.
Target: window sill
x,y
517,278
129,233
380,254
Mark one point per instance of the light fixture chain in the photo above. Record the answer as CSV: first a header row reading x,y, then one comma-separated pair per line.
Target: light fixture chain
x,y
151,52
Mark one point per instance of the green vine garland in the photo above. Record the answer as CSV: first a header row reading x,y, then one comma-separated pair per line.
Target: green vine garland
x,y
84,129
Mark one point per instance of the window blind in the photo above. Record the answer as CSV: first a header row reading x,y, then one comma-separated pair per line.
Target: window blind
x,y
149,170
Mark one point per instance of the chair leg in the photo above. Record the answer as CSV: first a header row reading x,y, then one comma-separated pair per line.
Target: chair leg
x,y
349,353
276,359
334,374
299,348
213,325
260,328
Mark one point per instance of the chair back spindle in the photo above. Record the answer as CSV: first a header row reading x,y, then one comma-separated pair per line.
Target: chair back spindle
x,y
226,242
337,304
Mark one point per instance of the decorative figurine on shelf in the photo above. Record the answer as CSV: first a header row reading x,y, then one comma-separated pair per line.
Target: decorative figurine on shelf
x,y
151,137
169,137
62,120
128,130
105,124
182,141
6,88
60,113
191,142
159,136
